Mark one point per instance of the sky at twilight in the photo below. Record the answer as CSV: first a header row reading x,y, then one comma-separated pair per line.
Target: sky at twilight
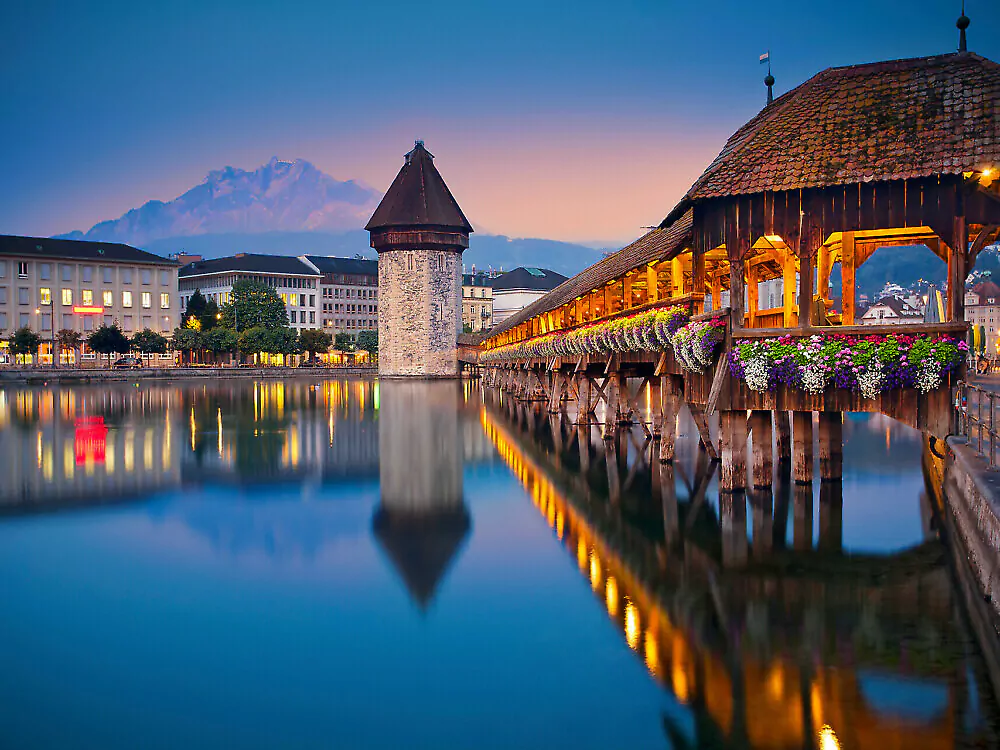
x,y
581,121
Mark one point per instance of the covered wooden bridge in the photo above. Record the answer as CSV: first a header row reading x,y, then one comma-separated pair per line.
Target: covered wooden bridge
x,y
858,158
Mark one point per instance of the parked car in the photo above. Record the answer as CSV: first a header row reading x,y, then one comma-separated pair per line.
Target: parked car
x,y
128,363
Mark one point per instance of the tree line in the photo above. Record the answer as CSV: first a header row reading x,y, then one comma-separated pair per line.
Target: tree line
x,y
253,321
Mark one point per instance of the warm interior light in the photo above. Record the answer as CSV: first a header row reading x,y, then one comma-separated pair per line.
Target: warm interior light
x,y
828,738
988,173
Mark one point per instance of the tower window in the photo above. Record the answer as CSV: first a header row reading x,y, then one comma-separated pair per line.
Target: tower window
x,y
409,262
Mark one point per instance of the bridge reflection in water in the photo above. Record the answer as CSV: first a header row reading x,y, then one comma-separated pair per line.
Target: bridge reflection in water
x,y
767,647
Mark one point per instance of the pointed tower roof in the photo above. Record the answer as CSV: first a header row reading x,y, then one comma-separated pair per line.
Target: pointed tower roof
x,y
418,197
421,546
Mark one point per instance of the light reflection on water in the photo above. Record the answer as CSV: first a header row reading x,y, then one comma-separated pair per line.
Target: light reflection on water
x,y
355,564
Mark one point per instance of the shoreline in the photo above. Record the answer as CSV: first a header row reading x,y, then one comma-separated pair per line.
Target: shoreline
x,y
81,375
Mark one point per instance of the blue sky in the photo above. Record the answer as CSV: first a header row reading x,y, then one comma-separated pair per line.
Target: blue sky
x,y
571,120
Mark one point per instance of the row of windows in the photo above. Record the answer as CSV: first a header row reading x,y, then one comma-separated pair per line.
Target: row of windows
x,y
337,293
86,297
470,293
293,317
66,273
340,307
298,300
275,282
43,321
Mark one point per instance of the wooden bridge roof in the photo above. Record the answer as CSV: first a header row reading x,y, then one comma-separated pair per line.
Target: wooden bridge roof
x,y
658,244
894,120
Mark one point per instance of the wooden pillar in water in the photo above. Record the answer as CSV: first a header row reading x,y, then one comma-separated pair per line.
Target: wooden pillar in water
x,y
655,406
555,391
583,443
583,406
831,445
624,407
760,426
762,511
802,445
781,427
668,498
733,475
670,397
610,404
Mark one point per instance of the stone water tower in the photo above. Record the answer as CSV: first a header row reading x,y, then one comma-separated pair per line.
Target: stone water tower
x,y
419,232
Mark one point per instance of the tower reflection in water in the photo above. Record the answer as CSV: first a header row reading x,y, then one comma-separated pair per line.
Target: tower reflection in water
x,y
421,521
773,648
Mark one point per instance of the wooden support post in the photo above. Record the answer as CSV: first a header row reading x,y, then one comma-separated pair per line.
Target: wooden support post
x,y
848,269
806,261
760,425
788,290
831,445
555,392
624,408
802,445
716,289
753,293
583,402
958,265
784,432
698,281
652,291
676,277
670,396
701,422
610,404
736,287
823,268
627,296
655,406
802,524
733,476
831,516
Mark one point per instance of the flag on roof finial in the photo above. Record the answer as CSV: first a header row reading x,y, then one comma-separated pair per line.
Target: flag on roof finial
x,y
768,79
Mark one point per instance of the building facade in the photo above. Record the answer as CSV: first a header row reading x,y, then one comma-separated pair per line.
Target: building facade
x,y
348,293
893,311
50,285
419,232
293,279
477,301
515,290
982,308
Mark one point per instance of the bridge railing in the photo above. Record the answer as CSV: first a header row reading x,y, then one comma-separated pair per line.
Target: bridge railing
x,y
976,410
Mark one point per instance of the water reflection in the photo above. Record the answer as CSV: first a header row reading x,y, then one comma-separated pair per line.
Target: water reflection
x,y
421,520
768,646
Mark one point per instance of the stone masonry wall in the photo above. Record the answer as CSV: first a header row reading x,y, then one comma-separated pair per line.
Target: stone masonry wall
x,y
419,313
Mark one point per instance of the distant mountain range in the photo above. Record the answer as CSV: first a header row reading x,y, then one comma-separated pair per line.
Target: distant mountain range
x,y
291,208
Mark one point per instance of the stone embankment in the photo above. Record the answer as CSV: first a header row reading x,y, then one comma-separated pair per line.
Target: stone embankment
x,y
64,374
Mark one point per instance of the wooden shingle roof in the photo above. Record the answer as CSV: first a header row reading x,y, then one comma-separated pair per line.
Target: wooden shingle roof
x,y
894,120
418,197
655,245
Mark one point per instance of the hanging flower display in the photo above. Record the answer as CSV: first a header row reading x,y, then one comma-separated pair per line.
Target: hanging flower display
x,y
868,364
694,342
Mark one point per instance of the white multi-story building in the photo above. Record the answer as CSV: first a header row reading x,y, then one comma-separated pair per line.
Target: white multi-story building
x,y
348,293
515,290
50,285
293,279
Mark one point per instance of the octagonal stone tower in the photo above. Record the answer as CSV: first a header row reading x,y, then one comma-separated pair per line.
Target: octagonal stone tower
x,y
419,232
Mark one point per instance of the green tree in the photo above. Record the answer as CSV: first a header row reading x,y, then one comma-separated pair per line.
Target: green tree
x,y
344,342
211,317
251,305
24,341
69,340
149,342
109,339
313,340
368,340
196,305
220,340
260,339
186,341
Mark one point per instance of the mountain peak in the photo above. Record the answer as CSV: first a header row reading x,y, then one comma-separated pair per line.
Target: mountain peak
x,y
276,196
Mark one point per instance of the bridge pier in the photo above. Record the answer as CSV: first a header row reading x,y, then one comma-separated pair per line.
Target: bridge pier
x,y
583,400
760,429
781,427
733,476
670,396
802,445
831,445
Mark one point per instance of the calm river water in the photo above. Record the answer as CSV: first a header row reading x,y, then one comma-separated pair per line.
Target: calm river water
x,y
330,563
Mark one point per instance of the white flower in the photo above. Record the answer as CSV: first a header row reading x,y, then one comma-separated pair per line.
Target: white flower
x,y
871,379
929,376
756,374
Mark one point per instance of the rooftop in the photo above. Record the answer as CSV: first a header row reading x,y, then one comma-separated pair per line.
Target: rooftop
x,y
43,247
249,262
894,120
418,197
535,279
354,266
654,245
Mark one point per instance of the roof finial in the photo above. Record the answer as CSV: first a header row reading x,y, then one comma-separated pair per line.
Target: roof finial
x,y
768,79
962,23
